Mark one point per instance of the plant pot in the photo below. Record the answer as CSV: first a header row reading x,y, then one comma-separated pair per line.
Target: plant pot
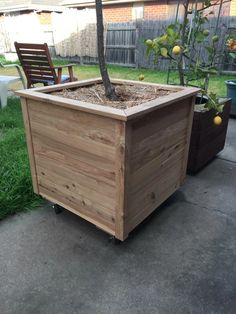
x,y
111,167
207,139
231,93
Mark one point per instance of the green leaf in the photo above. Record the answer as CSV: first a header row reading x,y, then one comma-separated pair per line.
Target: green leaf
x,y
200,37
212,71
163,39
213,102
232,55
207,3
148,51
210,49
170,31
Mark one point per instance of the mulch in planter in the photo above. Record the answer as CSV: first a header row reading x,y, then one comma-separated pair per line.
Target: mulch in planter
x,y
128,95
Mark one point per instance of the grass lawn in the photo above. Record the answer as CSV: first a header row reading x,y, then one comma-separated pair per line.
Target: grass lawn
x,y
16,191
217,82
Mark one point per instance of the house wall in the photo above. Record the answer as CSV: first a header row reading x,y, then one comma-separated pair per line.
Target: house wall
x,y
45,18
153,11
233,8
118,12
124,12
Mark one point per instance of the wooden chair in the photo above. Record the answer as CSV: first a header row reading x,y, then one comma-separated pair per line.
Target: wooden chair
x,y
36,62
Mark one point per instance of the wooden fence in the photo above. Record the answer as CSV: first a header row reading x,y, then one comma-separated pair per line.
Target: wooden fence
x,y
72,34
125,41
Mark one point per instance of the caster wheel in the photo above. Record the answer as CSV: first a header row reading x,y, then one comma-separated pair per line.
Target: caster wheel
x,y
58,209
114,241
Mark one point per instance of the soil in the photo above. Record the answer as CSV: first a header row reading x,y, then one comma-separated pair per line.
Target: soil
x,y
128,95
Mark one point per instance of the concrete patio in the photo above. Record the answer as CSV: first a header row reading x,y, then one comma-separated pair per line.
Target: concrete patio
x,y
180,260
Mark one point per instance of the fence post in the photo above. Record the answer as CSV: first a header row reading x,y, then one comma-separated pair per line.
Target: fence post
x,y
136,51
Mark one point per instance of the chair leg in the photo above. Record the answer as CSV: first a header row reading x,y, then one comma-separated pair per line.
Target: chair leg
x,y
3,94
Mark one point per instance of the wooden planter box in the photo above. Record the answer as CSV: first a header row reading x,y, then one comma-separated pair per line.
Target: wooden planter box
x,y
207,139
111,167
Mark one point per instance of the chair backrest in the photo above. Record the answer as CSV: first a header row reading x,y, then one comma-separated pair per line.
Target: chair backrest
x,y
36,62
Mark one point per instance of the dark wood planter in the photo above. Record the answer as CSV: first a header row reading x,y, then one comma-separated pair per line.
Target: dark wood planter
x,y
207,139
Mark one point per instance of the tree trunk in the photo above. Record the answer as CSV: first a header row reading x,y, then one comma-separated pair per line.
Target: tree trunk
x,y
109,89
183,37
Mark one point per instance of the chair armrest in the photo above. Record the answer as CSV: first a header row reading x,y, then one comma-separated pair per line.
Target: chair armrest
x,y
64,66
70,70
18,70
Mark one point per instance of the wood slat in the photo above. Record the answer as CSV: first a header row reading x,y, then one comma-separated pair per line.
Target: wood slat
x,y
37,68
29,139
121,163
159,145
31,46
158,162
58,87
149,188
31,52
156,191
39,96
188,136
75,159
69,204
33,63
163,194
31,58
38,77
78,174
73,140
167,117
94,207
39,71
103,131
71,207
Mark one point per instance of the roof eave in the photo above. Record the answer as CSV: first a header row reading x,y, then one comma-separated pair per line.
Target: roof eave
x,y
89,3
32,7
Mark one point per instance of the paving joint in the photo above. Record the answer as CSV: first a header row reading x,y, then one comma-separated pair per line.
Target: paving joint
x,y
231,161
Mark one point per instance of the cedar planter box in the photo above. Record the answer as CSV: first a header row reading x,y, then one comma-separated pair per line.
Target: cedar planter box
x,y
111,167
207,139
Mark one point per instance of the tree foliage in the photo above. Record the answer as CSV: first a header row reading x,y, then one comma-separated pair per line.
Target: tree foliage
x,y
180,44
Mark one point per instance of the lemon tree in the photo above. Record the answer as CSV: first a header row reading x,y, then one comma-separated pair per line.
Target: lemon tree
x,y
180,43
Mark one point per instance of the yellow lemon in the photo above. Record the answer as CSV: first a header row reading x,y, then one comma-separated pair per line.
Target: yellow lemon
x,y
141,77
217,120
176,50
